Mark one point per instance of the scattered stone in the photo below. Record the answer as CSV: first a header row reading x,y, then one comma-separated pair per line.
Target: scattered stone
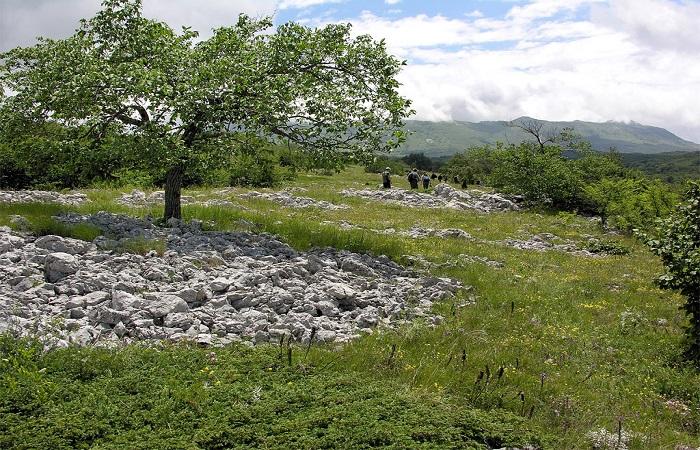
x,y
417,232
140,198
443,196
285,198
42,197
546,242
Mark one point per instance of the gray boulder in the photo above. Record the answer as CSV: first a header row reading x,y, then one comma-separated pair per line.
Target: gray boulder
x,y
123,300
108,316
64,245
164,304
59,265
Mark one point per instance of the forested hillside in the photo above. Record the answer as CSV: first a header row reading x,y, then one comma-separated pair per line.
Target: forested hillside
x,y
446,138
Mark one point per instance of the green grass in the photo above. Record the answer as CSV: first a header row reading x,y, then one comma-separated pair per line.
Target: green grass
x,y
580,343
184,397
42,223
142,246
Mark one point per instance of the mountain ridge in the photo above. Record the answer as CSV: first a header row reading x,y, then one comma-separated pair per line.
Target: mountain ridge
x,y
447,138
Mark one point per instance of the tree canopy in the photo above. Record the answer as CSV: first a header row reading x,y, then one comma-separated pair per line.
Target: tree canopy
x,y
184,100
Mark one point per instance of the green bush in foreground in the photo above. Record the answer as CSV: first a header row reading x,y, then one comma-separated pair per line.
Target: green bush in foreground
x,y
234,397
679,248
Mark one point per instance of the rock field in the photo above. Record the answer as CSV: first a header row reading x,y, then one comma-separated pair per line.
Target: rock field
x,y
443,196
140,198
545,242
286,198
209,287
42,197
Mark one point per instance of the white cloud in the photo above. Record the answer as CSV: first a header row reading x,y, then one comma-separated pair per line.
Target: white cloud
x,y
541,9
22,21
558,68
658,24
300,4
208,14
391,2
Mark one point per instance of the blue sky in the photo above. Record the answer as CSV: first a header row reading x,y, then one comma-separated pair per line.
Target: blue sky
x,y
595,60
402,8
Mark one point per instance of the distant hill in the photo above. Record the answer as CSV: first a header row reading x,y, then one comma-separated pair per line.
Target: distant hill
x,y
437,139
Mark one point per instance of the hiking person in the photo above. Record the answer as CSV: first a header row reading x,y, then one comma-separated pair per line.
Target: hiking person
x,y
464,184
433,176
413,178
439,178
386,178
426,181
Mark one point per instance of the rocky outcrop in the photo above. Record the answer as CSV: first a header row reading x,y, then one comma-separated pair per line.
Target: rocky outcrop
x,y
210,287
42,197
444,196
546,242
140,198
286,198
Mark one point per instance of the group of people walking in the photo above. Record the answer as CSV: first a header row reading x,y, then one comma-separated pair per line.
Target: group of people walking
x,y
414,178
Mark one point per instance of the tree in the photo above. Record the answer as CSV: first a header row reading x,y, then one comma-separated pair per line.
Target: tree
x,y
678,246
536,128
183,100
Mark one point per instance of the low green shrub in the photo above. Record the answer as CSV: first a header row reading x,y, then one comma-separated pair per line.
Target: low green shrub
x,y
233,397
607,247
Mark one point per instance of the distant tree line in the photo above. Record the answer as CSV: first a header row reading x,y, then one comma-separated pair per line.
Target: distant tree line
x,y
545,174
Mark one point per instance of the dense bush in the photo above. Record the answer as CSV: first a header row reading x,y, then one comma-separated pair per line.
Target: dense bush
x,y
629,203
49,156
584,181
541,177
678,245
260,170
475,165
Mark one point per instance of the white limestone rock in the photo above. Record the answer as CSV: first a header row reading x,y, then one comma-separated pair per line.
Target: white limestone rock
x,y
59,265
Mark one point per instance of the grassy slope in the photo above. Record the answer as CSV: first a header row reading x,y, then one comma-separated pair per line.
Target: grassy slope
x,y
583,343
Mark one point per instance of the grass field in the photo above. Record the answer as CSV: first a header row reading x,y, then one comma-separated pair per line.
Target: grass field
x,y
555,348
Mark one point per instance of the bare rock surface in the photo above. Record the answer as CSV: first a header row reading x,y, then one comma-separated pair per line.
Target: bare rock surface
x,y
288,199
547,242
209,287
443,196
140,198
42,197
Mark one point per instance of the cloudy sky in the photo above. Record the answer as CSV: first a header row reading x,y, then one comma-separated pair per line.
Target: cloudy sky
x,y
594,60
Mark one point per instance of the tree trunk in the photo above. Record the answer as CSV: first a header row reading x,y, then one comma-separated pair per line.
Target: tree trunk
x,y
173,183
